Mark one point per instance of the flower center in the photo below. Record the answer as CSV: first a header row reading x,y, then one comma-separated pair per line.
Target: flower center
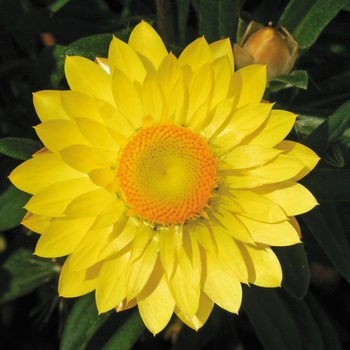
x,y
166,174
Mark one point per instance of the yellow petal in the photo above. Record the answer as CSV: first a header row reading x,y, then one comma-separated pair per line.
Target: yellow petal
x,y
153,100
85,158
139,270
87,252
277,234
87,77
255,206
168,74
124,58
282,168
90,203
229,257
62,236
53,200
155,302
303,154
79,105
220,287
148,44
112,214
58,134
110,288
167,251
196,54
264,268
276,128
178,103
48,105
243,122
75,283
248,84
204,236
127,98
243,157
242,179
294,198
222,48
202,314
36,223
49,168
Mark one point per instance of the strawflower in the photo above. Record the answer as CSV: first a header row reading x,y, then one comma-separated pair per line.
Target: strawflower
x,y
164,180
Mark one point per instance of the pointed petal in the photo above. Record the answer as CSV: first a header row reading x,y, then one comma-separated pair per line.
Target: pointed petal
x,y
248,84
36,223
141,39
220,287
49,168
264,268
167,251
62,236
202,314
75,283
53,200
222,48
48,105
294,198
277,234
87,77
110,288
124,58
303,154
155,303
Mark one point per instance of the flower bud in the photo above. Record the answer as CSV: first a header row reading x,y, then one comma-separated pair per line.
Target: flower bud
x,y
275,48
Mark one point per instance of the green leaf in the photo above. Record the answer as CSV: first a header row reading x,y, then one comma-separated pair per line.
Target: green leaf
x,y
298,78
270,319
308,329
22,272
228,13
328,184
19,148
83,321
330,130
324,223
306,19
295,267
330,338
127,334
90,47
208,20
12,202
57,5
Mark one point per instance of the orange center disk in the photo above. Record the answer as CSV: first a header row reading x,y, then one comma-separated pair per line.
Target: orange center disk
x,y
166,174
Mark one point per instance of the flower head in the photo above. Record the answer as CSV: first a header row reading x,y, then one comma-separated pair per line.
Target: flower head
x,y
164,180
275,48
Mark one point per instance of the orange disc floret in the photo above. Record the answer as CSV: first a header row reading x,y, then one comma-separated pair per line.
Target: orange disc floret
x,y
166,174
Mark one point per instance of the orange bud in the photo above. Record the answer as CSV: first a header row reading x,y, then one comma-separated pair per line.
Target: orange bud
x,y
275,48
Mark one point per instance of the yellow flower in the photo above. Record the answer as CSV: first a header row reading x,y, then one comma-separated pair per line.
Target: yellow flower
x,y
164,180
275,48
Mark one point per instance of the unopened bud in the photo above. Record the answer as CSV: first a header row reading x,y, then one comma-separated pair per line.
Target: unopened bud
x,y
275,48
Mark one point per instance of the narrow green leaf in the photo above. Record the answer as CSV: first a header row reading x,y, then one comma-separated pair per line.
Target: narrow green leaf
x,y
183,9
90,47
324,223
298,78
83,321
309,332
19,148
127,334
330,130
57,5
306,19
329,184
208,20
22,272
295,267
330,338
12,202
270,319
228,13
